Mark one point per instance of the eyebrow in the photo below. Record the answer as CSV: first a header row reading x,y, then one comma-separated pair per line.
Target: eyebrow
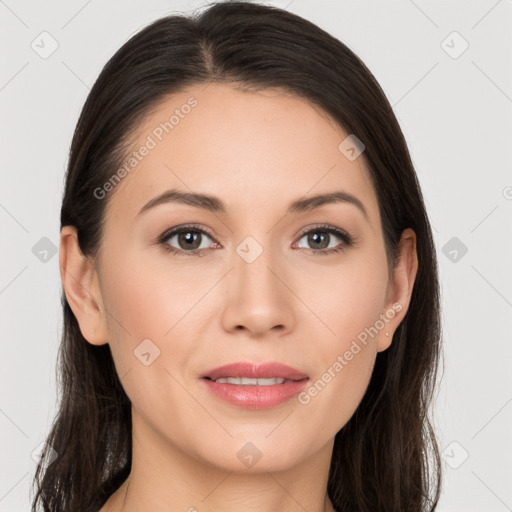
x,y
215,205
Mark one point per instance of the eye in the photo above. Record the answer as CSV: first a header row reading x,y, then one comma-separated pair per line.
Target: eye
x,y
320,238
190,240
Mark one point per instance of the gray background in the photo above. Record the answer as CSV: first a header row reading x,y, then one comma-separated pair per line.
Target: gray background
x,y
456,112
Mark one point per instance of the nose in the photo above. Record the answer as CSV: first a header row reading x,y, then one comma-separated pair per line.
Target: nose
x,y
258,298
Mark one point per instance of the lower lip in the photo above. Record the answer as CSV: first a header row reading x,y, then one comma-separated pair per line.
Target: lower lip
x,y
256,397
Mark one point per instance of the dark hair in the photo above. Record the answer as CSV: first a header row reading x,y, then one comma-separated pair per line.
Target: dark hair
x,y
386,457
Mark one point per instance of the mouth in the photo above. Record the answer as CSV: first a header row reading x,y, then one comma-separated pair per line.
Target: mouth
x,y
255,386
261,372
246,381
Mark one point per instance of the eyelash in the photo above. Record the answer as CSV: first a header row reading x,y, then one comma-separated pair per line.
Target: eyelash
x,y
348,240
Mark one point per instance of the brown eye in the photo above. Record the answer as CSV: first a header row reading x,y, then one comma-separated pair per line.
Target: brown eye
x,y
322,240
191,240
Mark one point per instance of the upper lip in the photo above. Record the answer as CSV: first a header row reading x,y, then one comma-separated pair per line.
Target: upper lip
x,y
255,371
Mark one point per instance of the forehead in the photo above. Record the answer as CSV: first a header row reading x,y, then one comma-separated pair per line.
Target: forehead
x,y
255,150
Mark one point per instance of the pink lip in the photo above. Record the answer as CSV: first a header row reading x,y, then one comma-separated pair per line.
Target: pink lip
x,y
256,371
256,397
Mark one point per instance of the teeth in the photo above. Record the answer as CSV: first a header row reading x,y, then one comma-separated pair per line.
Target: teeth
x,y
249,382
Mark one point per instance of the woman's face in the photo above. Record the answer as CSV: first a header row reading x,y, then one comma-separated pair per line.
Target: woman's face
x,y
264,283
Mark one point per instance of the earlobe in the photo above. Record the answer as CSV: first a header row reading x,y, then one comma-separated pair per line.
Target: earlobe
x,y
400,288
81,286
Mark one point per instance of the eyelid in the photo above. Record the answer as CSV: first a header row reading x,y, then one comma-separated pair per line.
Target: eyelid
x,y
183,227
326,227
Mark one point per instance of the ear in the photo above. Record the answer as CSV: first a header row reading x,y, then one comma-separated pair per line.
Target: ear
x,y
81,286
400,288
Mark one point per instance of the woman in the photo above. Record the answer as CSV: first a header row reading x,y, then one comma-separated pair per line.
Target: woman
x,y
251,302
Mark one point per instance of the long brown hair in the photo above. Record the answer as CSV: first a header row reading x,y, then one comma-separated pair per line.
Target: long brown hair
x,y
386,457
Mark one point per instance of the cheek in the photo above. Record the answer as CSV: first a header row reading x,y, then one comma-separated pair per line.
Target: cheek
x,y
348,303
153,300
345,365
150,298
138,308
347,299
337,392
147,311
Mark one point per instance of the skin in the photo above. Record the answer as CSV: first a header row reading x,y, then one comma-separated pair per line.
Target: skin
x,y
257,152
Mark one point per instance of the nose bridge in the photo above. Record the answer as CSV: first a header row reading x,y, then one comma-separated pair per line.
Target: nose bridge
x,y
252,263
257,299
